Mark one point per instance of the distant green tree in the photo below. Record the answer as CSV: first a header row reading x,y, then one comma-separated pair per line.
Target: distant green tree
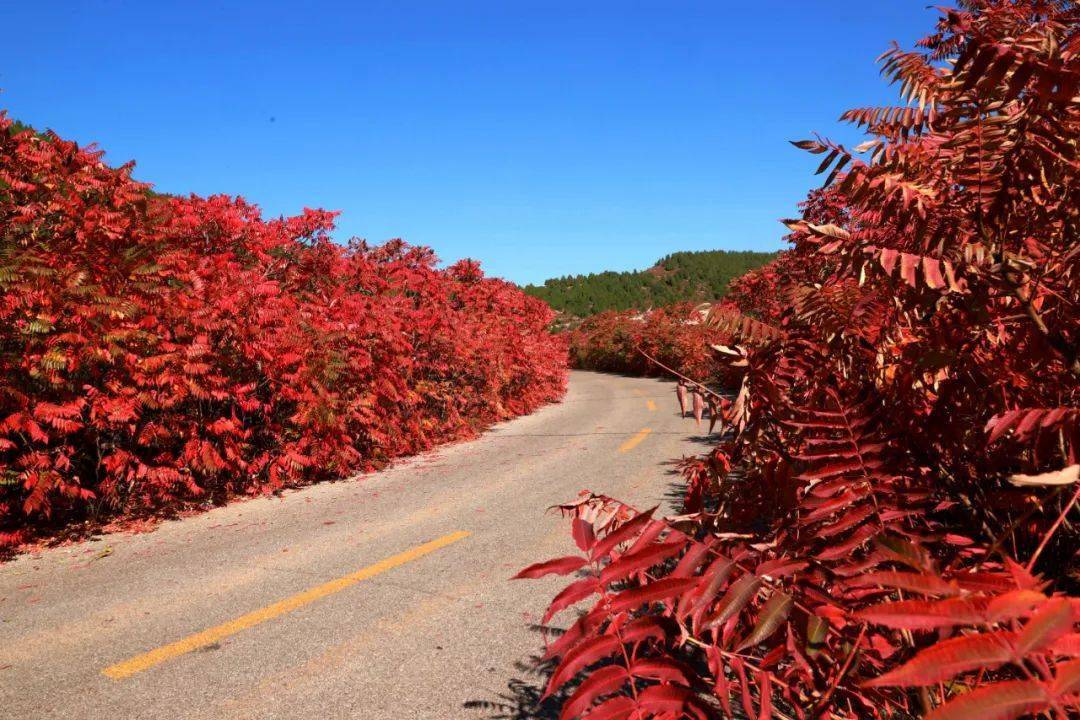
x,y
18,127
681,276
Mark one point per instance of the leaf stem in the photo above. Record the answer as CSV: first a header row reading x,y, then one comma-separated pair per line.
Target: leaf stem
x,y
1053,528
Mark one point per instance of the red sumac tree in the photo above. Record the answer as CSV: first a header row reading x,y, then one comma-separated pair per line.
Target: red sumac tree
x,y
156,350
897,535
677,336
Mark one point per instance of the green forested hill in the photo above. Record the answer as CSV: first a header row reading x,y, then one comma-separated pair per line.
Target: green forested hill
x,y
702,275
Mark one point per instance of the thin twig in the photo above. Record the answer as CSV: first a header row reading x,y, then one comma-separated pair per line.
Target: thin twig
x,y
1053,528
1004,535
679,374
843,671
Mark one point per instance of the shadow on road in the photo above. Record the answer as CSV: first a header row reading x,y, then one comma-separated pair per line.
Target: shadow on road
x,y
521,700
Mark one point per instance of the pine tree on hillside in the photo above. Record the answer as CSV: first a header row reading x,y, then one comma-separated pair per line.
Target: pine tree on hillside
x,y
681,276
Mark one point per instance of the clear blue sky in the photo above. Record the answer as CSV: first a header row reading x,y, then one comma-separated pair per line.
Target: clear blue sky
x,y
542,138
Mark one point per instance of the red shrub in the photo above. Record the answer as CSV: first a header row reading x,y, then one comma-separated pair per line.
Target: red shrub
x,y
898,535
155,349
678,336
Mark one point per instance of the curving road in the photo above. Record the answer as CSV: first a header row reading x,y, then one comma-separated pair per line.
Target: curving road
x,y
385,596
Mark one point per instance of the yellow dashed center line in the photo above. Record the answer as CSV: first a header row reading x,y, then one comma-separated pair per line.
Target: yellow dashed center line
x,y
651,405
212,635
634,441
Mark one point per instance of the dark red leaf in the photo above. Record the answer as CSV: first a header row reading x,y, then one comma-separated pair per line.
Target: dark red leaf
x,y
604,681
997,701
624,533
559,566
580,657
947,659
655,591
641,560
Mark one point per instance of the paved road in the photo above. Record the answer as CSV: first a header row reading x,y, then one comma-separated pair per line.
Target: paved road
x,y
385,596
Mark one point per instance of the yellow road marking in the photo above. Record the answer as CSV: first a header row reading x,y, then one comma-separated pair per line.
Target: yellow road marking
x,y
212,635
651,405
255,702
633,442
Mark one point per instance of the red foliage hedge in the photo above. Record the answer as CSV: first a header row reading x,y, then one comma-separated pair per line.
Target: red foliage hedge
x,y
614,341
891,529
156,350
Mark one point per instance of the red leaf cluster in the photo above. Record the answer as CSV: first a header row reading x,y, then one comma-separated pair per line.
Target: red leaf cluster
x,y
891,528
677,336
156,350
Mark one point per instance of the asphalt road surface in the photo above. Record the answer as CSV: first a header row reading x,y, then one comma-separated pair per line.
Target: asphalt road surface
x,y
384,596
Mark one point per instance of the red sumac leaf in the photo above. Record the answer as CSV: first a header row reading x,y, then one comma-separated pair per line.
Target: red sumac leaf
x,y
663,669
949,658
559,566
581,656
850,519
717,574
1013,604
575,592
1067,645
1066,679
624,533
583,534
738,596
651,532
573,635
690,562
923,583
925,614
772,616
616,708
810,145
932,273
908,264
664,699
744,686
848,545
888,260
997,701
641,560
646,627
765,689
817,629
780,567
721,685
603,681
1047,624
828,470
984,581
652,592
1001,424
